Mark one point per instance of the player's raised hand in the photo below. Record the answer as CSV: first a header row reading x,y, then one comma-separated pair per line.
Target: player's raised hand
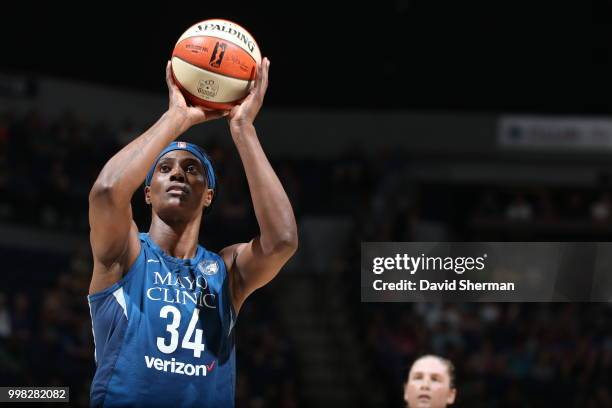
x,y
177,102
245,113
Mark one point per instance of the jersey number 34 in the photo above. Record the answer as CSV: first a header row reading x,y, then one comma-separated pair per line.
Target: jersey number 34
x,y
197,345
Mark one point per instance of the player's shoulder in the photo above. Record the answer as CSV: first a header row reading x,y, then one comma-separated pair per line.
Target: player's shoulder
x,y
106,275
229,254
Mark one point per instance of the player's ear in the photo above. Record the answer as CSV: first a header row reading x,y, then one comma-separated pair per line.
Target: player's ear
x,y
208,197
147,192
451,396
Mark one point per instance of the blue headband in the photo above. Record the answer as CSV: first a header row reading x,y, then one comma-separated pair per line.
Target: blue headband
x,y
197,152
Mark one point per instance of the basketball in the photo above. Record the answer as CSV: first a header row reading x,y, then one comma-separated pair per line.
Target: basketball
x,y
214,63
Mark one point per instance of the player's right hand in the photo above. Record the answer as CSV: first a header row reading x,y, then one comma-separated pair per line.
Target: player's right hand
x,y
177,102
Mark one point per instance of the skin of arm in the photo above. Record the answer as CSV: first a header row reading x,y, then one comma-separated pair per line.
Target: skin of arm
x,y
253,264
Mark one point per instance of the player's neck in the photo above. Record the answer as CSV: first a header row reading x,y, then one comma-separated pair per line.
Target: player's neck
x,y
179,240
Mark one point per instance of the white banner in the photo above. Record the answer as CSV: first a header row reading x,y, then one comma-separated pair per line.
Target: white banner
x,y
542,133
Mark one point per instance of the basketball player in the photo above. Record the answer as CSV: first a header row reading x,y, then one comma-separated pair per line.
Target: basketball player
x,y
430,383
163,307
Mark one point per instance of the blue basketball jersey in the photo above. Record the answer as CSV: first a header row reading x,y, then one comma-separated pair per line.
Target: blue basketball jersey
x,y
164,333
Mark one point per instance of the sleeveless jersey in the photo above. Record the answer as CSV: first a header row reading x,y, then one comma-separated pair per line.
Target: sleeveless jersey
x,y
163,334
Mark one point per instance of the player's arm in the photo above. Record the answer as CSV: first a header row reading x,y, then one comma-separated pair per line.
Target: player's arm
x,y
114,235
251,265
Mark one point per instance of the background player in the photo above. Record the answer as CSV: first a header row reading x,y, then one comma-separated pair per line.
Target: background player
x,y
430,383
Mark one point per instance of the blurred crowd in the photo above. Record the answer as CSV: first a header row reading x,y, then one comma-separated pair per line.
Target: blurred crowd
x,y
547,205
515,355
507,355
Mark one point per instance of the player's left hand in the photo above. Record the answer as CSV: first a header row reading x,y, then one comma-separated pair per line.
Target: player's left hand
x,y
245,113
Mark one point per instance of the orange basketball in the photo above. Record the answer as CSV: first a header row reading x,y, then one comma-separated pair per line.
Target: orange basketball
x,y
214,63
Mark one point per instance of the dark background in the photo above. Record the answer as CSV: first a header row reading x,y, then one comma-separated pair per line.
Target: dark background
x,y
306,340
484,56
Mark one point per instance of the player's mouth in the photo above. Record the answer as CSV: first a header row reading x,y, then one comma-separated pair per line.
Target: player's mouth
x,y
424,397
178,189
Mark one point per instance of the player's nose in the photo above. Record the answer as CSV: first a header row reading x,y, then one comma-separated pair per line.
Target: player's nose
x,y
177,174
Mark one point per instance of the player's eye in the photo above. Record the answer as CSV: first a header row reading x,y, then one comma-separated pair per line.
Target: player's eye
x,y
192,169
164,168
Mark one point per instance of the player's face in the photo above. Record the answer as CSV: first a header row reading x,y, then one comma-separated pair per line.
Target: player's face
x,y
179,183
428,385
